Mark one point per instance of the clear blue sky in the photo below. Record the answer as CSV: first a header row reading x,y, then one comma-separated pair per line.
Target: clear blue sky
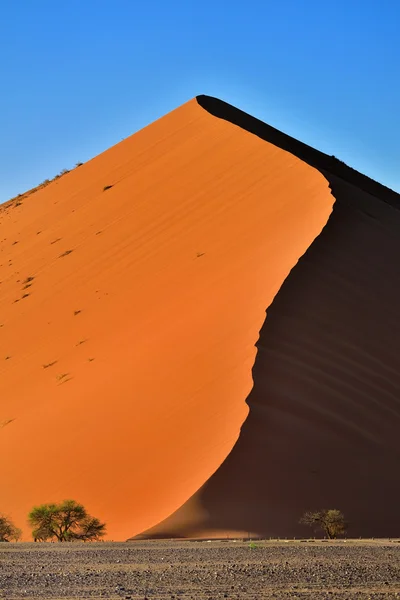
x,y
79,75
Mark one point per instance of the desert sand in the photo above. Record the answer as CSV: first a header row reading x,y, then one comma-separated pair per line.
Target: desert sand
x,y
324,420
188,570
129,318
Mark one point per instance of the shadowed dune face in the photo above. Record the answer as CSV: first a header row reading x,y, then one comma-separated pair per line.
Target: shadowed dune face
x,y
324,417
129,315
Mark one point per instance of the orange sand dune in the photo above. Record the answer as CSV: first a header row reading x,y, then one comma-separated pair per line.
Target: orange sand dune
x,y
324,412
129,316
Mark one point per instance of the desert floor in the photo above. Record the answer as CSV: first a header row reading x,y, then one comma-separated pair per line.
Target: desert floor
x,y
202,570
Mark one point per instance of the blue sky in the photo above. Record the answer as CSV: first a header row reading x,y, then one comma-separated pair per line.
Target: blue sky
x,y
78,76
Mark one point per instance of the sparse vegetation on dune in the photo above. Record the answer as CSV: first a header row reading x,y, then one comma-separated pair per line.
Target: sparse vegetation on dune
x,y
65,253
17,200
50,364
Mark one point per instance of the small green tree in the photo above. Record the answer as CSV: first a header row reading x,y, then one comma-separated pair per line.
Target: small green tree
x,y
8,531
330,521
65,522
90,529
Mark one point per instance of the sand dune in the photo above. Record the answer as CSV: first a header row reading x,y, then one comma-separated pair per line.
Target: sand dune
x,y
324,417
129,315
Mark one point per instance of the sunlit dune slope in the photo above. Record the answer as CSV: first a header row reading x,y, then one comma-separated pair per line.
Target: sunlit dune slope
x,y
324,411
129,316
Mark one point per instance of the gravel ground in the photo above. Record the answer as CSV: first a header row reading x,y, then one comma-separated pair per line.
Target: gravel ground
x,y
202,570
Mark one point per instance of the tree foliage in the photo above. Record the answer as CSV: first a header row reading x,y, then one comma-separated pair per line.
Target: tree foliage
x,y
66,522
8,531
330,521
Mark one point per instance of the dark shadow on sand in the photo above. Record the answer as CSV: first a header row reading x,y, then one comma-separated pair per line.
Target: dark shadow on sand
x,y
324,421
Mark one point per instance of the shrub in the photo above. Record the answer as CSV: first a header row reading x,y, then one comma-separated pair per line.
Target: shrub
x,y
65,522
8,531
330,521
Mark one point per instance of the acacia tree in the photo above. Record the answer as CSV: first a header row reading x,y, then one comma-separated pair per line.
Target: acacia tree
x,y
65,522
331,521
8,531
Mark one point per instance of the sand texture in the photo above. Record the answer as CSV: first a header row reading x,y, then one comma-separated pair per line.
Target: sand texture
x,y
129,318
324,420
